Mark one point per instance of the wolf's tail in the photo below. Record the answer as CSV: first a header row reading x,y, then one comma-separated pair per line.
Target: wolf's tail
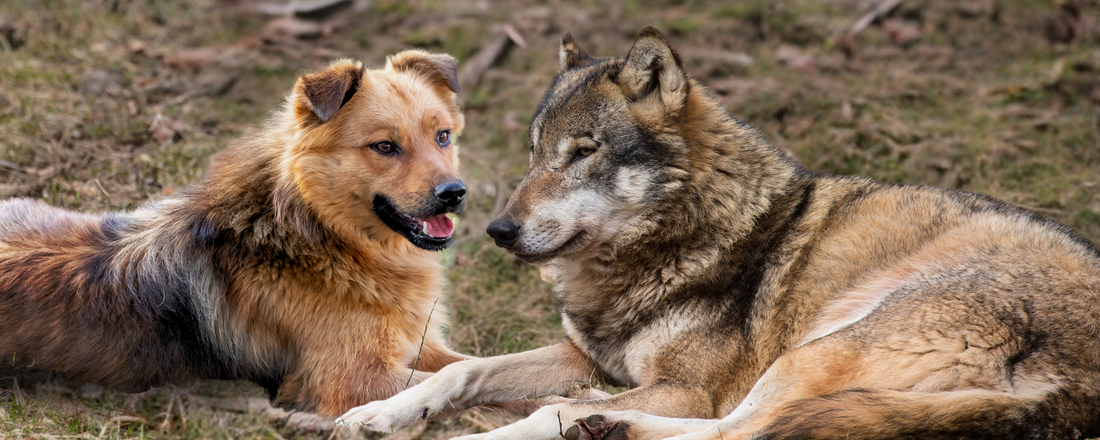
x,y
973,414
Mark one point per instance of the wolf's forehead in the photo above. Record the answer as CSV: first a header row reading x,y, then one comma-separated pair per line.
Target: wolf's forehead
x,y
564,89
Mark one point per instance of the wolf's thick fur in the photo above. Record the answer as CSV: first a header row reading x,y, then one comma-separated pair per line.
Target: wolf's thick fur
x,y
275,269
699,265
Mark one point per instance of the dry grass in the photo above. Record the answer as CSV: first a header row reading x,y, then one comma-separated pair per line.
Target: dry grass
x,y
110,103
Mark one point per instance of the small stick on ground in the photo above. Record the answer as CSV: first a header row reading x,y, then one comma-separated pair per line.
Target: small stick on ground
x,y
880,10
491,54
12,166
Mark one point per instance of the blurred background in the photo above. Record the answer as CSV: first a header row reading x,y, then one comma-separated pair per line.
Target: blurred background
x,y
105,104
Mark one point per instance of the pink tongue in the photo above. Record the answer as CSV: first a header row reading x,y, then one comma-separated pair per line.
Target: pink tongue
x,y
439,226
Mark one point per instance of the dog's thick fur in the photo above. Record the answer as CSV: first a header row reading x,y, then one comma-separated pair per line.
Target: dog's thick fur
x,y
276,268
699,265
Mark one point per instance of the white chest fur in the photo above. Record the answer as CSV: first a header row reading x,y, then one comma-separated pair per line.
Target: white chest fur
x,y
632,363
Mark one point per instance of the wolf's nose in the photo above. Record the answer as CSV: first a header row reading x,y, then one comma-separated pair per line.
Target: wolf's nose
x,y
451,193
503,231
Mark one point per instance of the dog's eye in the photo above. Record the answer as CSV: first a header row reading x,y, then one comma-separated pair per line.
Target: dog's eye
x,y
443,138
384,147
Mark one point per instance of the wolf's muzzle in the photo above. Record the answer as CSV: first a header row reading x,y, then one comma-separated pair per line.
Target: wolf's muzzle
x,y
504,232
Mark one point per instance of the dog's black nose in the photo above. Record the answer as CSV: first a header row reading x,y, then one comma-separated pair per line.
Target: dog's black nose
x,y
451,193
504,232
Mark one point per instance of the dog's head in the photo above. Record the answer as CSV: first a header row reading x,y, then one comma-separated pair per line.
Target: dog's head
x,y
604,150
373,150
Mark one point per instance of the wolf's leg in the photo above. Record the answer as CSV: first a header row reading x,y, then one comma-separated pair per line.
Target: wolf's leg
x,y
836,389
663,399
550,370
876,414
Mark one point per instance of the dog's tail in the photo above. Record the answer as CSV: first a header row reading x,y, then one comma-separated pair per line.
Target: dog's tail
x,y
862,414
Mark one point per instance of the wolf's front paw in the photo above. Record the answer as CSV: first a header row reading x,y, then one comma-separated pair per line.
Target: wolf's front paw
x,y
596,427
382,416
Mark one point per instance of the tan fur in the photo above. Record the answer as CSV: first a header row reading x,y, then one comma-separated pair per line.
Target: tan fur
x,y
284,274
706,270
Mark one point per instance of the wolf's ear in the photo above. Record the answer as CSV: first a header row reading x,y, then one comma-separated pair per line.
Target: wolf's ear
x,y
323,94
571,54
654,66
441,70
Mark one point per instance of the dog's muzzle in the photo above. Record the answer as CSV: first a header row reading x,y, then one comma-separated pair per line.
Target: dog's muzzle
x,y
450,194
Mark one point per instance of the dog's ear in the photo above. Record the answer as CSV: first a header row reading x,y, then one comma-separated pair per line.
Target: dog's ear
x,y
441,70
322,94
572,55
654,67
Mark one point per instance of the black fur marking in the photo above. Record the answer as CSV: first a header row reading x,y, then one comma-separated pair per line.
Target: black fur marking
x,y
203,231
730,290
734,289
111,227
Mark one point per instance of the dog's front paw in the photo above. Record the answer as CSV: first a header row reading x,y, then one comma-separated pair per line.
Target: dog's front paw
x,y
596,427
382,416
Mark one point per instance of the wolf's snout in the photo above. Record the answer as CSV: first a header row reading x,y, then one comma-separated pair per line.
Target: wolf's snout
x,y
503,231
451,194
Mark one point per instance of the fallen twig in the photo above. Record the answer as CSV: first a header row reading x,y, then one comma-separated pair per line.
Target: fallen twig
x,y
492,53
315,9
12,166
880,10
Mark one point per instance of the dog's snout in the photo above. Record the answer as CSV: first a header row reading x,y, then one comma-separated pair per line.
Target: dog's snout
x,y
451,193
504,231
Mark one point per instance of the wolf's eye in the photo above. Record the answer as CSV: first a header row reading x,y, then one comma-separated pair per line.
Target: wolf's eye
x,y
584,152
386,148
443,138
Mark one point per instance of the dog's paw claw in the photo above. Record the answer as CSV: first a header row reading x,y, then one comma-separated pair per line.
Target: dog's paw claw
x,y
596,427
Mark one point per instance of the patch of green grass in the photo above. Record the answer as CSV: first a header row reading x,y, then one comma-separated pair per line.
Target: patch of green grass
x,y
500,304
393,7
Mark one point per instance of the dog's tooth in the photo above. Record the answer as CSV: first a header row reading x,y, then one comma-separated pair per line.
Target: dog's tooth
x,y
425,226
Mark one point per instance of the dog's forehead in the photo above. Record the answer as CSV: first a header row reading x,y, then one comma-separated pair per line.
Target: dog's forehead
x,y
403,101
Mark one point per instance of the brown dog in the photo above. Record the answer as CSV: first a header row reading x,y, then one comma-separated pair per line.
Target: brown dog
x,y
303,262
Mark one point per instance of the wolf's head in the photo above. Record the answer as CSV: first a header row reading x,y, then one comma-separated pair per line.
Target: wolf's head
x,y
605,149
629,152
373,150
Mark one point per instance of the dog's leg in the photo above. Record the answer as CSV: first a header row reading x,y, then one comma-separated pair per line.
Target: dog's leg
x,y
550,370
435,356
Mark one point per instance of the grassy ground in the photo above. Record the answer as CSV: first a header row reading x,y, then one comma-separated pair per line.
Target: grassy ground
x,y
106,104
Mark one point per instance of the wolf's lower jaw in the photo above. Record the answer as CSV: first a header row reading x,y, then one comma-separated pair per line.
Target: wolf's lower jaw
x,y
574,243
414,231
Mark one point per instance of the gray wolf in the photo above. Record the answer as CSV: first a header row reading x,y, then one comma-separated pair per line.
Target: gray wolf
x,y
718,279
302,262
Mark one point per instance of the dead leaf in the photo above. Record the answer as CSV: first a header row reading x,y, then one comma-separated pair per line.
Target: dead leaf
x,y
289,27
192,59
137,47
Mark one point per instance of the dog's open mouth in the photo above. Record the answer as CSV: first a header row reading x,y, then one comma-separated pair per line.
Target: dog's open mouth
x,y
432,232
